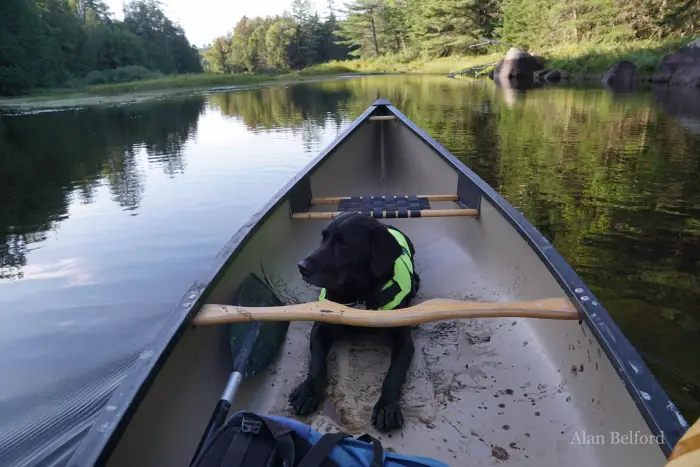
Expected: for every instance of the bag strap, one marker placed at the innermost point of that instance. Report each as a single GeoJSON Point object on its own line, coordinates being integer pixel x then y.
{"type": "Point", "coordinates": [283, 439]}
{"type": "Point", "coordinates": [238, 450]}
{"type": "Point", "coordinates": [322, 449]}
{"type": "Point", "coordinates": [252, 446]}
{"type": "Point", "coordinates": [377, 449]}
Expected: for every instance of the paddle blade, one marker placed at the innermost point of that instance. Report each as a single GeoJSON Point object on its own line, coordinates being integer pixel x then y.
{"type": "Point", "coordinates": [253, 355]}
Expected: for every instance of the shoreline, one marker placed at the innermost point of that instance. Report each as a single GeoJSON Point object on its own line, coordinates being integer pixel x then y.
{"type": "Point", "coordinates": [130, 93]}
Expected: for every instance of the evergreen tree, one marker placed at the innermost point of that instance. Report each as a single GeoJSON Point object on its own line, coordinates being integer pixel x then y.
{"type": "Point", "coordinates": [526, 23]}
{"type": "Point", "coordinates": [361, 29]}
{"type": "Point", "coordinates": [19, 46]}
{"type": "Point", "coordinates": [304, 52]}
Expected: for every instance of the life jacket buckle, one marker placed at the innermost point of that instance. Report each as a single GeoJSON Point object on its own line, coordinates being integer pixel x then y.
{"type": "Point", "coordinates": [250, 426]}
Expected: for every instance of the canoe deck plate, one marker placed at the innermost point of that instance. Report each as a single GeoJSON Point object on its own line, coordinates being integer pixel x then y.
{"type": "Point", "coordinates": [392, 206]}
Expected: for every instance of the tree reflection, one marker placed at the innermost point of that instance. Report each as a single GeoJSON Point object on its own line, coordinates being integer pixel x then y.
{"type": "Point", "coordinates": [48, 159]}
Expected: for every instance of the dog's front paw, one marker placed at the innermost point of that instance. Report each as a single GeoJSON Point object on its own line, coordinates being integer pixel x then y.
{"type": "Point", "coordinates": [387, 416]}
{"type": "Point", "coordinates": [306, 398]}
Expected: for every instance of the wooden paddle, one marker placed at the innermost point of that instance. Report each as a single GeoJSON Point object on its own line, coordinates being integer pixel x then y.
{"type": "Point", "coordinates": [431, 310]}
{"type": "Point", "coordinates": [686, 453]}
{"type": "Point", "coordinates": [252, 347]}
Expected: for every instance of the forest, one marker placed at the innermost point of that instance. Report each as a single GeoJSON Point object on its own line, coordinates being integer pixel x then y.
{"type": "Point", "coordinates": [74, 43]}
{"type": "Point", "coordinates": [406, 30]}
{"type": "Point", "coordinates": [48, 43]}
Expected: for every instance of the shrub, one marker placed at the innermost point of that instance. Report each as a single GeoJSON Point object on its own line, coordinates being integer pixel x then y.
{"type": "Point", "coordinates": [96, 77]}
{"type": "Point", "coordinates": [124, 74]}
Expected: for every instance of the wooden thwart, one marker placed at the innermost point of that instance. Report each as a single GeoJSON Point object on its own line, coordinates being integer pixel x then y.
{"type": "Point", "coordinates": [431, 310]}
{"type": "Point", "coordinates": [423, 213]}
{"type": "Point", "coordinates": [338, 199]}
{"type": "Point", "coordinates": [375, 118]}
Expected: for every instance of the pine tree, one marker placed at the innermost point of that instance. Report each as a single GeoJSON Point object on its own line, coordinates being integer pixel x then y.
{"type": "Point", "coordinates": [446, 26]}
{"type": "Point", "coordinates": [526, 23]}
{"type": "Point", "coordinates": [361, 29]}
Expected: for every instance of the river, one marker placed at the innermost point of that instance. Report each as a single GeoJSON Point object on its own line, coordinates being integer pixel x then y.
{"type": "Point", "coordinates": [109, 213]}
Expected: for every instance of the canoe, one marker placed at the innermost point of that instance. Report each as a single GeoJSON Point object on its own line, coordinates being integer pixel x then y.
{"type": "Point", "coordinates": [479, 391]}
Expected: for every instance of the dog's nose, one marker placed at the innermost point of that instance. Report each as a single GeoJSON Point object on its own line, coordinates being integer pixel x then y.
{"type": "Point", "coordinates": [304, 268]}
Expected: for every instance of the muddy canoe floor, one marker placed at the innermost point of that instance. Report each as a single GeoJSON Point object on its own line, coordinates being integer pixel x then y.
{"type": "Point", "coordinates": [479, 392]}
{"type": "Point", "coordinates": [462, 404]}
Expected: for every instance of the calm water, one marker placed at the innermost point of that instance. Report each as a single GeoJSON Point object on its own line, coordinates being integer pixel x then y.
{"type": "Point", "coordinates": [108, 214]}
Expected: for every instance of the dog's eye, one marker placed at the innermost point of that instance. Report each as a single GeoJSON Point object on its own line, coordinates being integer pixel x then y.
{"type": "Point", "coordinates": [324, 234]}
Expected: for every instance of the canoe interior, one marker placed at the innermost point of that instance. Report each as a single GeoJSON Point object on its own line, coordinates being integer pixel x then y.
{"type": "Point", "coordinates": [479, 392]}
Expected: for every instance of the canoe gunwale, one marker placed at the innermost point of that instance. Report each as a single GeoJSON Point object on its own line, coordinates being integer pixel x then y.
{"type": "Point", "coordinates": [658, 411]}
{"type": "Point", "coordinates": [104, 434]}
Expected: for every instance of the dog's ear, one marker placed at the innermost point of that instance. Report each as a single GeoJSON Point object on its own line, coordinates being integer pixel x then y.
{"type": "Point", "coordinates": [385, 250]}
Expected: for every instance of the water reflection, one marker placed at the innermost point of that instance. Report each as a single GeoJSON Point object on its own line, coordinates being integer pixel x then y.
{"type": "Point", "coordinates": [304, 108]}
{"type": "Point", "coordinates": [50, 157]}
{"type": "Point", "coordinates": [682, 103]}
{"type": "Point", "coordinates": [108, 213]}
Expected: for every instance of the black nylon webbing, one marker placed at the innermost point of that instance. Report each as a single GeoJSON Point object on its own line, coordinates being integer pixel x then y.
{"type": "Point", "coordinates": [320, 451]}
{"type": "Point", "coordinates": [385, 206]}
{"type": "Point", "coordinates": [283, 439]}
{"type": "Point", "coordinates": [237, 450]}
{"type": "Point", "coordinates": [377, 449]}
{"type": "Point", "coordinates": [214, 451]}
{"type": "Point", "coordinates": [389, 294]}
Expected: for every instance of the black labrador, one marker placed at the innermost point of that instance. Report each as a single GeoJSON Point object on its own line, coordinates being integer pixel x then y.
{"type": "Point", "coordinates": [354, 261]}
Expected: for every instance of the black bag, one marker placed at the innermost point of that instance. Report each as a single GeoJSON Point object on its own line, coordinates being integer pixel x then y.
{"type": "Point", "coordinates": [250, 440]}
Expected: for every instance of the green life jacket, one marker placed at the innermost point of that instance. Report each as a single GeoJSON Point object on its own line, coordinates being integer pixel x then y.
{"type": "Point", "coordinates": [402, 283]}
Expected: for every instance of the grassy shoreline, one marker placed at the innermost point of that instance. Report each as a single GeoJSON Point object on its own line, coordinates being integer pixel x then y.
{"type": "Point", "coordinates": [584, 61]}
{"type": "Point", "coordinates": [137, 91]}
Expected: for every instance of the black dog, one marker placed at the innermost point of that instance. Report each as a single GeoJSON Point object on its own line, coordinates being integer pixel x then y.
{"type": "Point", "coordinates": [354, 263]}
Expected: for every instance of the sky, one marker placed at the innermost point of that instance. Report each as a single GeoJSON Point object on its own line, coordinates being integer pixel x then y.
{"type": "Point", "coordinates": [203, 20]}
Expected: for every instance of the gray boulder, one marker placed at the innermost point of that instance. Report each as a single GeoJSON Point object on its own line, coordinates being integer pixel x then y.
{"type": "Point", "coordinates": [516, 64]}
{"type": "Point", "coordinates": [621, 75]}
{"type": "Point", "coordinates": [682, 67]}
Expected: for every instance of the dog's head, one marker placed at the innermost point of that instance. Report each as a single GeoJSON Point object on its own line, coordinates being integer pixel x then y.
{"type": "Point", "coordinates": [357, 253]}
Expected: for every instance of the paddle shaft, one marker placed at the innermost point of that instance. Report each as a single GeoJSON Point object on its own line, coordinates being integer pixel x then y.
{"type": "Point", "coordinates": [431, 310]}
{"type": "Point", "coordinates": [218, 416]}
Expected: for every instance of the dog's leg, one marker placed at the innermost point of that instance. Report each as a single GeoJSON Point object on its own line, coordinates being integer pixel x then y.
{"type": "Point", "coordinates": [387, 415]}
{"type": "Point", "coordinates": [307, 396]}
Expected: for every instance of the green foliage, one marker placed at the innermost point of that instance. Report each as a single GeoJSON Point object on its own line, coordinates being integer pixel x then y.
{"type": "Point", "coordinates": [543, 24]}
{"type": "Point", "coordinates": [596, 58]}
{"type": "Point", "coordinates": [279, 43]}
{"type": "Point", "coordinates": [47, 43]}
{"type": "Point", "coordinates": [446, 28]}
{"type": "Point", "coordinates": [125, 74]}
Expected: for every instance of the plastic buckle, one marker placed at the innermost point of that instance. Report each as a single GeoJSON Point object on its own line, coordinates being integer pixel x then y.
{"type": "Point", "coordinates": [250, 426]}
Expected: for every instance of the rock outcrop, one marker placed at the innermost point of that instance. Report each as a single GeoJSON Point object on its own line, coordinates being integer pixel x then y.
{"type": "Point", "coordinates": [516, 64]}
{"type": "Point", "coordinates": [682, 67]}
{"type": "Point", "coordinates": [621, 75]}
